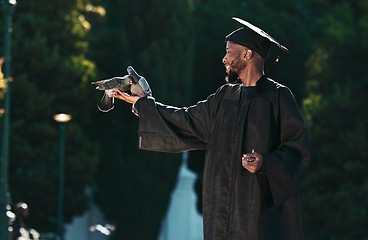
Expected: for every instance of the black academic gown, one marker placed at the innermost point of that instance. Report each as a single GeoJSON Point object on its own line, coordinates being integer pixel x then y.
{"type": "Point", "coordinates": [237, 204]}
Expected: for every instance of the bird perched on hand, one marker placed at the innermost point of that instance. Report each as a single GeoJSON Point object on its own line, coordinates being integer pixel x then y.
{"type": "Point", "coordinates": [132, 83]}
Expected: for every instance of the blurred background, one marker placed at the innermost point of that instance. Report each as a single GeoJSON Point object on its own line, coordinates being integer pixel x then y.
{"type": "Point", "coordinates": [89, 168]}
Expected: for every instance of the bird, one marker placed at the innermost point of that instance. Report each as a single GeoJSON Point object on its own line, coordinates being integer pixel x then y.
{"type": "Point", "coordinates": [110, 86]}
{"type": "Point", "coordinates": [132, 83]}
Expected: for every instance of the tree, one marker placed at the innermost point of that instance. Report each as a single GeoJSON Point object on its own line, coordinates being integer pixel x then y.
{"type": "Point", "coordinates": [336, 186]}
{"type": "Point", "coordinates": [134, 186]}
{"type": "Point", "coordinates": [50, 73]}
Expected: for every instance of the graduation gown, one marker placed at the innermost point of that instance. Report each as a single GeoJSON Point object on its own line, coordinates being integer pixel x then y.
{"type": "Point", "coordinates": [234, 120]}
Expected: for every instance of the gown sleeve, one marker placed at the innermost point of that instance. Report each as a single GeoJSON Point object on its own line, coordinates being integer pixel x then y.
{"type": "Point", "coordinates": [286, 166]}
{"type": "Point", "coordinates": [171, 129]}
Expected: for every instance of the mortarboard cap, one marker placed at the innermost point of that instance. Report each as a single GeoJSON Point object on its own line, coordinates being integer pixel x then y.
{"type": "Point", "coordinates": [253, 38]}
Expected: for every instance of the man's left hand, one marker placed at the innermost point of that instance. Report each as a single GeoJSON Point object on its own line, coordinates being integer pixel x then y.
{"type": "Point", "coordinates": [255, 164]}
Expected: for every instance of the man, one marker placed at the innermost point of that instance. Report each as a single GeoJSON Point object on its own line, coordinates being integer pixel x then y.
{"type": "Point", "coordinates": [255, 140]}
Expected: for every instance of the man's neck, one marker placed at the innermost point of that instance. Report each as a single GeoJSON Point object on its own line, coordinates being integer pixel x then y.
{"type": "Point", "coordinates": [250, 77]}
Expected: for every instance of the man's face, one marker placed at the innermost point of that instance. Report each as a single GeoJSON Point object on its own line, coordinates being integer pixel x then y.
{"type": "Point", "coordinates": [234, 61]}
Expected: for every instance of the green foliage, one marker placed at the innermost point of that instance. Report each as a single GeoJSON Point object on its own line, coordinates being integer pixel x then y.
{"type": "Point", "coordinates": [50, 72]}
{"type": "Point", "coordinates": [59, 47]}
{"type": "Point", "coordinates": [133, 186]}
{"type": "Point", "coordinates": [336, 186]}
{"type": "Point", "coordinates": [157, 43]}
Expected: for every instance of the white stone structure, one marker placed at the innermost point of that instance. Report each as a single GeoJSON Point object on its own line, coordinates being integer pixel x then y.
{"type": "Point", "coordinates": [183, 222]}
{"type": "Point", "coordinates": [89, 226]}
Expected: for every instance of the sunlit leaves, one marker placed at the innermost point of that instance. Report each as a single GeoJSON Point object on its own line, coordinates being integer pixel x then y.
{"type": "Point", "coordinates": [335, 111]}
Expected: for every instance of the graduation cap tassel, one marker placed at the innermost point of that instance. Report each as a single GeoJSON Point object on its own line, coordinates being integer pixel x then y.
{"type": "Point", "coordinates": [273, 67]}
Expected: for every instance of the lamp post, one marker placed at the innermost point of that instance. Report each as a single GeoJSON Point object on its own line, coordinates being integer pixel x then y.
{"type": "Point", "coordinates": [62, 119]}
{"type": "Point", "coordinates": [7, 7]}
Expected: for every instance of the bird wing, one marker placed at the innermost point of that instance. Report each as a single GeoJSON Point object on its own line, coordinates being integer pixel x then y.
{"type": "Point", "coordinates": [145, 86]}
{"type": "Point", "coordinates": [99, 82]}
{"type": "Point", "coordinates": [115, 82]}
{"type": "Point", "coordinates": [106, 104]}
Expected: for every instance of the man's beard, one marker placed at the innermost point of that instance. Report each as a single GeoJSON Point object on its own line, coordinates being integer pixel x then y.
{"type": "Point", "coordinates": [232, 78]}
{"type": "Point", "coordinates": [235, 66]}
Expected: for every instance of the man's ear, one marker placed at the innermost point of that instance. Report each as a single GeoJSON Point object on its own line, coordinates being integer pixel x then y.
{"type": "Point", "coordinates": [248, 54]}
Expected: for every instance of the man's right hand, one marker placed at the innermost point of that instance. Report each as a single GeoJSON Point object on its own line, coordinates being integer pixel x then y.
{"type": "Point", "coordinates": [125, 97]}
